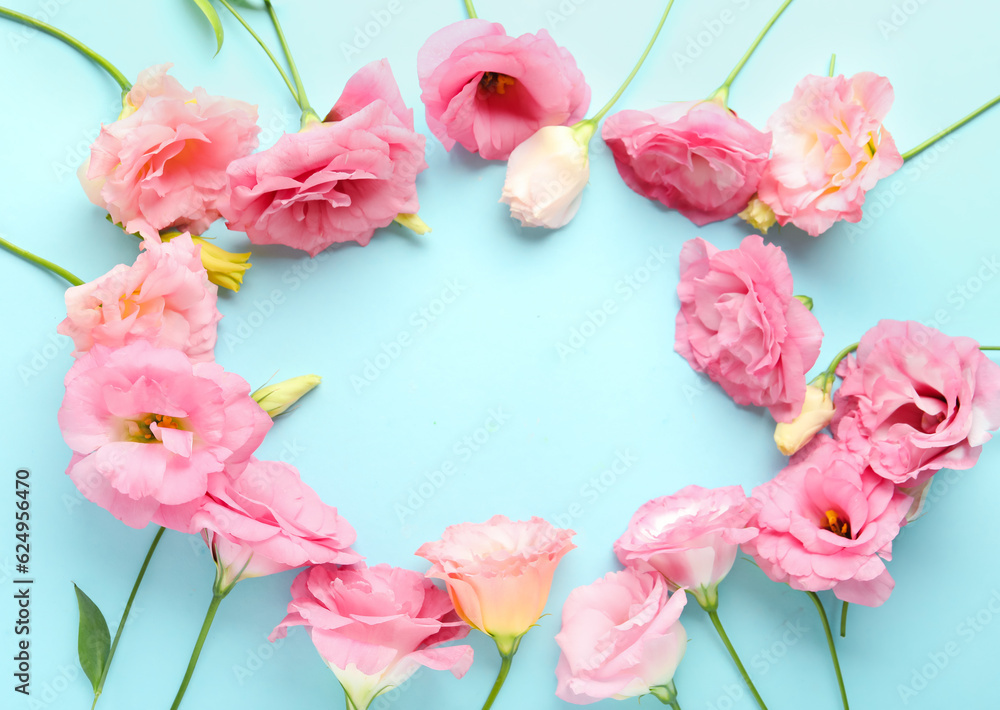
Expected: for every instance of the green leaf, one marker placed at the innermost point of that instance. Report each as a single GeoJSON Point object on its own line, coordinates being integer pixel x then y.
{"type": "Point", "coordinates": [206, 7]}
{"type": "Point", "coordinates": [94, 643]}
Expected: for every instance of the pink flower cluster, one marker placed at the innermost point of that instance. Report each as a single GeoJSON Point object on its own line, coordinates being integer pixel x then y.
{"type": "Point", "coordinates": [823, 150]}
{"type": "Point", "coordinates": [913, 401]}
{"type": "Point", "coordinates": [177, 159]}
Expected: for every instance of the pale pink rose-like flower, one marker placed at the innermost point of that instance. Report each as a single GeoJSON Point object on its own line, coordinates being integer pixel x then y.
{"type": "Point", "coordinates": [375, 626]}
{"type": "Point", "coordinates": [147, 428]}
{"type": "Point", "coordinates": [697, 157]}
{"type": "Point", "coordinates": [336, 181]}
{"type": "Point", "coordinates": [915, 400]}
{"type": "Point", "coordinates": [546, 175]}
{"type": "Point", "coordinates": [265, 520]}
{"type": "Point", "coordinates": [164, 298]}
{"type": "Point", "coordinates": [163, 163]}
{"type": "Point", "coordinates": [621, 637]}
{"type": "Point", "coordinates": [740, 323]}
{"type": "Point", "coordinates": [489, 92]}
{"type": "Point", "coordinates": [827, 521]}
{"type": "Point", "coordinates": [499, 572]}
{"type": "Point", "coordinates": [830, 148]}
{"type": "Point", "coordinates": [691, 538]}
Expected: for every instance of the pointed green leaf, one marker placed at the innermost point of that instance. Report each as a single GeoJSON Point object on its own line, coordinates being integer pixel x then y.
{"type": "Point", "coordinates": [94, 642]}
{"type": "Point", "coordinates": [206, 7]}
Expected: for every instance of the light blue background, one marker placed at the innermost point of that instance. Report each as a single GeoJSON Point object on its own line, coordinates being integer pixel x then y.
{"type": "Point", "coordinates": [930, 231]}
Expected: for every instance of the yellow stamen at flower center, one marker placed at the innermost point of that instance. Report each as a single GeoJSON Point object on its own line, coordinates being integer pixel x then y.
{"type": "Point", "coordinates": [836, 524]}
{"type": "Point", "coordinates": [140, 430]}
{"type": "Point", "coordinates": [870, 146]}
{"type": "Point", "coordinates": [126, 305]}
{"type": "Point", "coordinates": [495, 82]}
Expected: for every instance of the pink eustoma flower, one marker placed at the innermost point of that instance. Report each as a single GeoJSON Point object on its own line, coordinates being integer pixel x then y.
{"type": "Point", "coordinates": [147, 428]}
{"type": "Point", "coordinates": [336, 181]}
{"type": "Point", "coordinates": [375, 626]}
{"type": "Point", "coordinates": [827, 521]}
{"type": "Point", "coordinates": [499, 572]}
{"type": "Point", "coordinates": [489, 92]}
{"type": "Point", "coordinates": [163, 163]}
{"type": "Point", "coordinates": [164, 298]}
{"type": "Point", "coordinates": [265, 520]}
{"type": "Point", "coordinates": [830, 148]}
{"type": "Point", "coordinates": [690, 537]}
{"type": "Point", "coordinates": [740, 323]}
{"type": "Point", "coordinates": [621, 638]}
{"type": "Point", "coordinates": [696, 157]}
{"type": "Point", "coordinates": [915, 400]}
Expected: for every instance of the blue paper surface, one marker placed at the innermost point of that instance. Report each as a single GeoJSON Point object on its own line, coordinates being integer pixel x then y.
{"type": "Point", "coordinates": [483, 383]}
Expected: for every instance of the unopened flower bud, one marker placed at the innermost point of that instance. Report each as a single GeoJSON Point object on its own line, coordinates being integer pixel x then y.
{"type": "Point", "coordinates": [276, 399]}
{"type": "Point", "coordinates": [758, 215]}
{"type": "Point", "coordinates": [546, 175]}
{"type": "Point", "coordinates": [817, 412]}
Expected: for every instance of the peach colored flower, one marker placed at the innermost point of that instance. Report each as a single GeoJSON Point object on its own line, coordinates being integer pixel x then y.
{"type": "Point", "coordinates": [830, 148]}
{"type": "Point", "coordinates": [164, 298]}
{"type": "Point", "coordinates": [163, 163]}
{"type": "Point", "coordinates": [499, 572]}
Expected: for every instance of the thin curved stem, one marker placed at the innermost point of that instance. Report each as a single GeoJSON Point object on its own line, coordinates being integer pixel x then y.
{"type": "Point", "coordinates": [621, 90]}
{"type": "Point", "coordinates": [35, 259]}
{"type": "Point", "coordinates": [953, 127]}
{"type": "Point", "coordinates": [505, 661]}
{"type": "Point", "coordinates": [989, 347]}
{"type": "Point", "coordinates": [73, 42]}
{"type": "Point", "coordinates": [831, 371]}
{"type": "Point", "coordinates": [714, 616]}
{"type": "Point", "coordinates": [267, 50]}
{"type": "Point", "coordinates": [217, 598]}
{"type": "Point", "coordinates": [843, 620]}
{"type": "Point", "coordinates": [469, 8]}
{"type": "Point", "coordinates": [300, 91]}
{"type": "Point", "coordinates": [128, 608]}
{"type": "Point", "coordinates": [833, 64]}
{"type": "Point", "coordinates": [833, 648]}
{"type": "Point", "coordinates": [723, 91]}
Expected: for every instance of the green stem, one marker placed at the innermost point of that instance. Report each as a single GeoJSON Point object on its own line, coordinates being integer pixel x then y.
{"type": "Point", "coordinates": [723, 91]}
{"type": "Point", "coordinates": [217, 597]}
{"type": "Point", "coordinates": [72, 42]}
{"type": "Point", "coordinates": [989, 347]}
{"type": "Point", "coordinates": [28, 256]}
{"type": "Point", "coordinates": [833, 64]}
{"type": "Point", "coordinates": [300, 91]}
{"type": "Point", "coordinates": [267, 50]}
{"type": "Point", "coordinates": [128, 608]}
{"type": "Point", "coordinates": [843, 620]}
{"type": "Point", "coordinates": [714, 616]}
{"type": "Point", "coordinates": [831, 371]}
{"type": "Point", "coordinates": [470, 9]}
{"type": "Point", "coordinates": [621, 90]}
{"type": "Point", "coordinates": [953, 127]}
{"type": "Point", "coordinates": [833, 648]}
{"type": "Point", "coordinates": [505, 660]}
